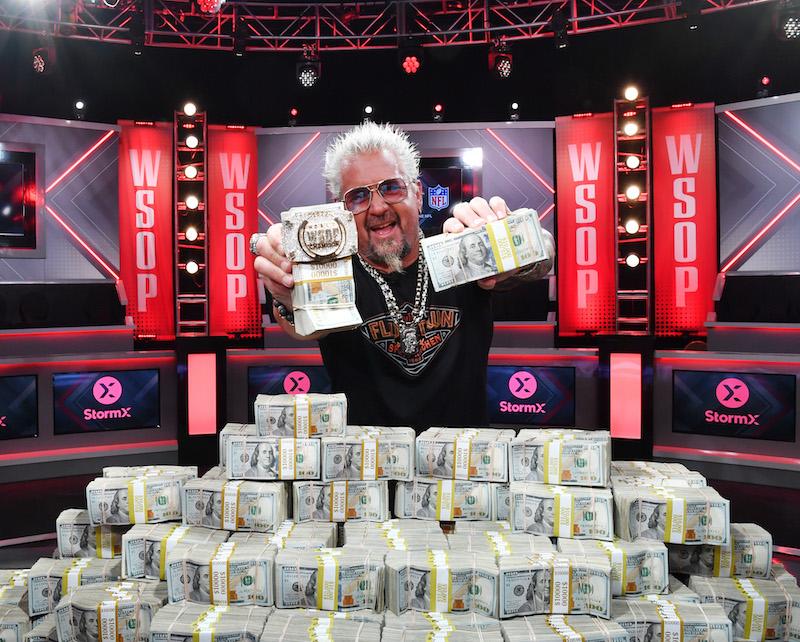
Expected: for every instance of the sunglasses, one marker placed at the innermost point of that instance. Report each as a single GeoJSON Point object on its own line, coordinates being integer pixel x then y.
{"type": "Point", "coordinates": [358, 199]}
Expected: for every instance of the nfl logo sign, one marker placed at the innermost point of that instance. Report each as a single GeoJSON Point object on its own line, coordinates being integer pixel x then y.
{"type": "Point", "coordinates": [438, 197]}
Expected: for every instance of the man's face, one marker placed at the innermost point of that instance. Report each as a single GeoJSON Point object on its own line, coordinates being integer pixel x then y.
{"type": "Point", "coordinates": [384, 230]}
{"type": "Point", "coordinates": [547, 511]}
{"type": "Point", "coordinates": [473, 249]}
{"type": "Point", "coordinates": [265, 458]}
{"type": "Point", "coordinates": [90, 622]}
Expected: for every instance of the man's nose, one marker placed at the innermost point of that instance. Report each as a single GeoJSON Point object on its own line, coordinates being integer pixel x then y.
{"type": "Point", "coordinates": [377, 205]}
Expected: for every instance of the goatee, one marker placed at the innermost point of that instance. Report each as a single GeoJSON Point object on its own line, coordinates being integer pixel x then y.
{"type": "Point", "coordinates": [389, 255]}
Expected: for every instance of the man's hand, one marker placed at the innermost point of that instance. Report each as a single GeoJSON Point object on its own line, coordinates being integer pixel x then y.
{"type": "Point", "coordinates": [273, 267]}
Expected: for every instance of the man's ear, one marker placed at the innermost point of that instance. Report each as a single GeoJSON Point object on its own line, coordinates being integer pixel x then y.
{"type": "Point", "coordinates": [419, 195]}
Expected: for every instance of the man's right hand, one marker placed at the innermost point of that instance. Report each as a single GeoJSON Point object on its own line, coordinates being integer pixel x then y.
{"type": "Point", "coordinates": [273, 267]}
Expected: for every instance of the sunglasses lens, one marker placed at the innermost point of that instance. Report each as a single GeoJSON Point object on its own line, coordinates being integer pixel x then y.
{"type": "Point", "coordinates": [393, 190]}
{"type": "Point", "coordinates": [357, 199]}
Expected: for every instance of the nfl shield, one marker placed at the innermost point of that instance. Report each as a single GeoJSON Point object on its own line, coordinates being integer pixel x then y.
{"type": "Point", "coordinates": [438, 197]}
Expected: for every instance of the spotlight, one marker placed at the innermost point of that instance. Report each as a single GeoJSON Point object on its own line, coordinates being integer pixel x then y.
{"type": "Point", "coordinates": [788, 20]}
{"type": "Point", "coordinates": [763, 89]}
{"type": "Point", "coordinates": [631, 226]}
{"type": "Point", "coordinates": [631, 93]}
{"type": "Point", "coordinates": [410, 55]}
{"type": "Point", "coordinates": [293, 113]}
{"type": "Point", "coordinates": [190, 109]}
{"type": "Point", "coordinates": [368, 110]}
{"type": "Point", "coordinates": [192, 141]}
{"type": "Point", "coordinates": [692, 10]}
{"type": "Point", "coordinates": [190, 172]}
{"type": "Point", "coordinates": [514, 112]}
{"type": "Point", "coordinates": [192, 267]}
{"type": "Point", "coordinates": [309, 69]}
{"type": "Point", "coordinates": [632, 193]}
{"type": "Point", "coordinates": [501, 62]}
{"type": "Point", "coordinates": [630, 128]}
{"type": "Point", "coordinates": [79, 109]}
{"type": "Point", "coordinates": [632, 162]}
{"type": "Point", "coordinates": [632, 261]}
{"type": "Point", "coordinates": [191, 234]}
{"type": "Point", "coordinates": [472, 157]}
{"type": "Point", "coordinates": [43, 60]}
{"type": "Point", "coordinates": [79, 104]}
{"type": "Point", "coordinates": [559, 25]}
{"type": "Point", "coordinates": [192, 202]}
{"type": "Point", "coordinates": [438, 113]}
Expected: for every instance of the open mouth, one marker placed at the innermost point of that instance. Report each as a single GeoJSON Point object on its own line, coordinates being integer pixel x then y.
{"type": "Point", "coordinates": [382, 230]}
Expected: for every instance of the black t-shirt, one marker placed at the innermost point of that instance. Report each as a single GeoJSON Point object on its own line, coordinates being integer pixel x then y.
{"type": "Point", "coordinates": [443, 384]}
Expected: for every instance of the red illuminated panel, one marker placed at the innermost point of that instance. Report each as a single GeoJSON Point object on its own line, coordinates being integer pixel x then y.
{"type": "Point", "coordinates": [626, 396]}
{"type": "Point", "coordinates": [725, 454]}
{"type": "Point", "coordinates": [129, 361]}
{"type": "Point", "coordinates": [202, 397]}
{"type": "Point", "coordinates": [104, 449]}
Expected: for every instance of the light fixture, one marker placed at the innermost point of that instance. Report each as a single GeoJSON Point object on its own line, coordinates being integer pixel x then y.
{"type": "Point", "coordinates": [79, 109]}
{"type": "Point", "coordinates": [631, 226]}
{"type": "Point", "coordinates": [632, 161]}
{"type": "Point", "coordinates": [42, 60]}
{"type": "Point", "coordinates": [438, 113]}
{"type": "Point", "coordinates": [513, 114]}
{"type": "Point", "coordinates": [136, 27]}
{"type": "Point", "coordinates": [192, 202]}
{"type": "Point", "coordinates": [692, 9]}
{"type": "Point", "coordinates": [630, 128]}
{"type": "Point", "coordinates": [192, 141]}
{"type": "Point", "coordinates": [190, 172]}
{"type": "Point", "coordinates": [368, 110]}
{"type": "Point", "coordinates": [240, 37]}
{"type": "Point", "coordinates": [472, 157]}
{"type": "Point", "coordinates": [191, 233]}
{"type": "Point", "coordinates": [559, 25]}
{"type": "Point", "coordinates": [633, 192]}
{"type": "Point", "coordinates": [631, 93]}
{"type": "Point", "coordinates": [309, 69]}
{"type": "Point", "coordinates": [501, 62]}
{"type": "Point", "coordinates": [410, 54]}
{"type": "Point", "coordinates": [632, 260]}
{"type": "Point", "coordinates": [190, 109]}
{"type": "Point", "coordinates": [192, 267]}
{"type": "Point", "coordinates": [79, 104]}
{"type": "Point", "coordinates": [788, 20]}
{"type": "Point", "coordinates": [293, 114]}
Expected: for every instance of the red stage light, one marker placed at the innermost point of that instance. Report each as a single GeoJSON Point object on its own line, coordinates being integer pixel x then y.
{"type": "Point", "coordinates": [293, 112]}
{"type": "Point", "coordinates": [438, 108]}
{"type": "Point", "coordinates": [411, 64]}
{"type": "Point", "coordinates": [765, 80]}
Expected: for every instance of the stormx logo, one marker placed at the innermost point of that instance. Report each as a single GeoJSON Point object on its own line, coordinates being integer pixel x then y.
{"type": "Point", "coordinates": [107, 390]}
{"type": "Point", "coordinates": [732, 393]}
{"type": "Point", "coordinates": [522, 385]}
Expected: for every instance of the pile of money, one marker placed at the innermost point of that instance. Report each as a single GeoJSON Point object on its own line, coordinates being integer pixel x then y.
{"type": "Point", "coordinates": [324, 297]}
{"type": "Point", "coordinates": [677, 515]}
{"type": "Point", "coordinates": [134, 500]}
{"type": "Point", "coordinates": [655, 473]}
{"type": "Point", "coordinates": [334, 579]}
{"type": "Point", "coordinates": [562, 511]}
{"type": "Point", "coordinates": [268, 458]}
{"type": "Point", "coordinates": [234, 505]}
{"type": "Point", "coordinates": [14, 624]}
{"type": "Point", "coordinates": [235, 430]}
{"type": "Point", "coordinates": [561, 628]}
{"type": "Point", "coordinates": [14, 576]}
{"type": "Point", "coordinates": [292, 535]}
{"type": "Point", "coordinates": [779, 573]}
{"type": "Point", "coordinates": [757, 609]}
{"type": "Point", "coordinates": [636, 567]}
{"type": "Point", "coordinates": [186, 621]}
{"type": "Point", "coordinates": [749, 554]}
{"type": "Point", "coordinates": [49, 579]}
{"type": "Point", "coordinates": [676, 592]}
{"type": "Point", "coordinates": [14, 596]}
{"type": "Point", "coordinates": [301, 416]}
{"type": "Point", "coordinates": [44, 630]}
{"type": "Point", "coordinates": [468, 528]}
{"type": "Point", "coordinates": [341, 501]}
{"type": "Point", "coordinates": [441, 580]}
{"type": "Point", "coordinates": [501, 502]}
{"type": "Point", "coordinates": [78, 538]}
{"type": "Point", "coordinates": [215, 472]}
{"type": "Point", "coordinates": [443, 500]}
{"type": "Point", "coordinates": [451, 635]}
{"type": "Point", "coordinates": [302, 616]}
{"type": "Point", "coordinates": [479, 454]}
{"type": "Point", "coordinates": [554, 583]}
{"type": "Point", "coordinates": [318, 233]}
{"type": "Point", "coordinates": [227, 573]}
{"type": "Point", "coordinates": [184, 472]}
{"type": "Point", "coordinates": [477, 253]}
{"type": "Point", "coordinates": [436, 622]}
{"type": "Point", "coordinates": [500, 543]}
{"type": "Point", "coordinates": [299, 627]}
{"type": "Point", "coordinates": [662, 621]}
{"type": "Point", "coordinates": [146, 546]}
{"type": "Point", "coordinates": [398, 534]}
{"type": "Point", "coordinates": [574, 458]}
{"type": "Point", "coordinates": [369, 453]}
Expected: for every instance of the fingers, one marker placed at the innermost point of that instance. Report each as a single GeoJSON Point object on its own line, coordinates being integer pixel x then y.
{"type": "Point", "coordinates": [499, 207]}
{"type": "Point", "coordinates": [479, 211]}
{"type": "Point", "coordinates": [272, 266]}
{"type": "Point", "coordinates": [453, 226]}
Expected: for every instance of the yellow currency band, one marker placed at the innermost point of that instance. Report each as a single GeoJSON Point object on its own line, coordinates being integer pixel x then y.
{"type": "Point", "coordinates": [98, 542]}
{"type": "Point", "coordinates": [308, 402]}
{"type": "Point", "coordinates": [669, 525]}
{"type": "Point", "coordinates": [100, 636]}
{"type": "Point", "coordinates": [434, 579]}
{"type": "Point", "coordinates": [748, 622]}
{"type": "Point", "coordinates": [329, 589]}
{"type": "Point", "coordinates": [496, 249]}
{"type": "Point", "coordinates": [131, 504]}
{"type": "Point", "coordinates": [162, 553]}
{"type": "Point", "coordinates": [197, 632]}
{"type": "Point", "coordinates": [548, 444]}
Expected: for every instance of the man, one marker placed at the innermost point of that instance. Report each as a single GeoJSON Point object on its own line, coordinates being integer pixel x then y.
{"type": "Point", "coordinates": [419, 357]}
{"type": "Point", "coordinates": [476, 259]}
{"type": "Point", "coordinates": [543, 518]}
{"type": "Point", "coordinates": [538, 587]}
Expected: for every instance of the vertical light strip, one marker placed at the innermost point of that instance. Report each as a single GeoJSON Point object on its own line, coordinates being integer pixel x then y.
{"type": "Point", "coordinates": [202, 397]}
{"type": "Point", "coordinates": [626, 395]}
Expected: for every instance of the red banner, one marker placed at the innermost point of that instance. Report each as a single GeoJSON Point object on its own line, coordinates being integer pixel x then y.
{"type": "Point", "coordinates": [684, 217]}
{"type": "Point", "coordinates": [145, 227]}
{"type": "Point", "coordinates": [232, 212]}
{"type": "Point", "coordinates": [586, 224]}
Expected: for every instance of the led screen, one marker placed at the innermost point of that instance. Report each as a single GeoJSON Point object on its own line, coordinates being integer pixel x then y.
{"type": "Point", "coordinates": [279, 380]}
{"type": "Point", "coordinates": [531, 396]}
{"type": "Point", "coordinates": [19, 409]}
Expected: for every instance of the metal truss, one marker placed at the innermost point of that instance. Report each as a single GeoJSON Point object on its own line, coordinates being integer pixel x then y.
{"type": "Point", "coordinates": [334, 26]}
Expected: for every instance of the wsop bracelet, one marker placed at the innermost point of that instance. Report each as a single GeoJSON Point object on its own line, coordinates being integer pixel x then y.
{"type": "Point", "coordinates": [283, 311]}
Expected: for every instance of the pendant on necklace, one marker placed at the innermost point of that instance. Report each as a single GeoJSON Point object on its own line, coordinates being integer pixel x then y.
{"type": "Point", "coordinates": [408, 339]}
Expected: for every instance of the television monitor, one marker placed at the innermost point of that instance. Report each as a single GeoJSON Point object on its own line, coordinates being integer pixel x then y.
{"type": "Point", "coordinates": [734, 404]}
{"type": "Point", "coordinates": [19, 407]}
{"type": "Point", "coordinates": [279, 380]}
{"type": "Point", "coordinates": [534, 396]}
{"type": "Point", "coordinates": [446, 180]}
{"type": "Point", "coordinates": [106, 401]}
{"type": "Point", "coordinates": [18, 191]}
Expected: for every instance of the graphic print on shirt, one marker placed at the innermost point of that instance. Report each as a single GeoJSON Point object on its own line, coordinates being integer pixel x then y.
{"type": "Point", "coordinates": [434, 331]}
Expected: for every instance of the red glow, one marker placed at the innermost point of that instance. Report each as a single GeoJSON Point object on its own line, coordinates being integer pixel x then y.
{"type": "Point", "coordinates": [126, 363]}
{"type": "Point", "coordinates": [761, 139]}
{"type": "Point", "coordinates": [629, 113]}
{"type": "Point", "coordinates": [724, 363]}
{"type": "Point", "coordinates": [291, 161]}
{"type": "Point", "coordinates": [293, 112]}
{"type": "Point", "coordinates": [78, 450]}
{"type": "Point", "coordinates": [585, 114]}
{"type": "Point", "coordinates": [82, 243]}
{"type": "Point", "coordinates": [757, 458]}
{"type": "Point", "coordinates": [524, 327]}
{"type": "Point", "coordinates": [85, 155]}
{"type": "Point", "coordinates": [680, 105]}
{"type": "Point", "coordinates": [303, 359]}
{"type": "Point", "coordinates": [265, 217]}
{"type": "Point", "coordinates": [438, 108]}
{"type": "Point", "coordinates": [751, 327]}
{"type": "Point", "coordinates": [411, 64]}
{"type": "Point", "coordinates": [626, 396]}
{"type": "Point", "coordinates": [521, 161]}
{"type": "Point", "coordinates": [549, 209]}
{"type": "Point", "coordinates": [241, 127]}
{"type": "Point", "coordinates": [144, 123]}
{"type": "Point", "coordinates": [765, 80]}
{"type": "Point", "coordinates": [499, 358]}
{"type": "Point", "coordinates": [202, 394]}
{"type": "Point", "coordinates": [41, 334]}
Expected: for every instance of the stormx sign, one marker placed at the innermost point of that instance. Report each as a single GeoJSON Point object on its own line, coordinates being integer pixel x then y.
{"type": "Point", "coordinates": [532, 396]}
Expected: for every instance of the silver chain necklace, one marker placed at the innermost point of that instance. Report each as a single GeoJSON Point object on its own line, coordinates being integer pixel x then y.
{"type": "Point", "coordinates": [408, 332]}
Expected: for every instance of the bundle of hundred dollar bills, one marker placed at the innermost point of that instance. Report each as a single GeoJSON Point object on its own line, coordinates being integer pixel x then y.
{"type": "Point", "coordinates": [676, 592]}
{"type": "Point", "coordinates": [318, 233]}
{"type": "Point", "coordinates": [340, 501]}
{"type": "Point", "coordinates": [234, 505]}
{"type": "Point", "coordinates": [655, 473]}
{"type": "Point", "coordinates": [441, 580]}
{"type": "Point", "coordinates": [749, 554]}
{"type": "Point", "coordinates": [184, 472]}
{"type": "Point", "coordinates": [296, 626]}
{"type": "Point", "coordinates": [44, 630]}
{"type": "Point", "coordinates": [562, 511]}
{"type": "Point", "coordinates": [49, 579]}
{"type": "Point", "coordinates": [186, 621]}
{"type": "Point", "coordinates": [662, 621]}
{"type": "Point", "coordinates": [134, 500]}
{"type": "Point", "coordinates": [569, 457]}
{"type": "Point", "coordinates": [677, 515]}
{"type": "Point", "coordinates": [292, 535]}
{"type": "Point", "coordinates": [14, 623]}
{"type": "Point", "coordinates": [479, 454]}
{"type": "Point", "coordinates": [448, 634]}
{"type": "Point", "coordinates": [14, 596]}
{"type": "Point", "coordinates": [145, 546]}
{"type": "Point", "coordinates": [442, 499]}
{"type": "Point", "coordinates": [507, 244]}
{"type": "Point", "coordinates": [77, 537]}
{"type": "Point", "coordinates": [437, 622]}
{"type": "Point", "coordinates": [470, 528]}
{"type": "Point", "coordinates": [369, 453]}
{"type": "Point", "coordinates": [229, 430]}
{"type": "Point", "coordinates": [500, 543]}
{"type": "Point", "coordinates": [14, 576]}
{"type": "Point", "coordinates": [779, 573]}
{"type": "Point", "coordinates": [304, 616]}
{"type": "Point", "coordinates": [398, 534]}
{"type": "Point", "coordinates": [563, 628]}
{"type": "Point", "coordinates": [303, 416]}
{"type": "Point", "coordinates": [269, 458]}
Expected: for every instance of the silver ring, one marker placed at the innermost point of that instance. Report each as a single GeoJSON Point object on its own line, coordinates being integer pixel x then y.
{"type": "Point", "coordinates": [254, 242]}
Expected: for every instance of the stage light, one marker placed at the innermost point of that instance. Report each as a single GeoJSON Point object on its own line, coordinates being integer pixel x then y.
{"type": "Point", "coordinates": [411, 64]}
{"type": "Point", "coordinates": [692, 10]}
{"type": "Point", "coordinates": [79, 104]}
{"type": "Point", "coordinates": [42, 60]}
{"type": "Point", "coordinates": [410, 56]}
{"type": "Point", "coordinates": [191, 234]}
{"type": "Point", "coordinates": [192, 202]}
{"type": "Point", "coordinates": [559, 25]}
{"type": "Point", "coordinates": [763, 88]}
{"type": "Point", "coordinates": [192, 267]}
{"type": "Point", "coordinates": [438, 113]}
{"type": "Point", "coordinates": [192, 141]}
{"type": "Point", "coordinates": [631, 93]}
{"type": "Point", "coordinates": [6, 211]}
{"type": "Point", "coordinates": [368, 110]}
{"type": "Point", "coordinates": [631, 226]}
{"type": "Point", "coordinates": [309, 69]}
{"type": "Point", "coordinates": [472, 157]}
{"type": "Point", "coordinates": [293, 113]}
{"type": "Point", "coordinates": [514, 112]}
{"type": "Point", "coordinates": [79, 109]}
{"type": "Point", "coordinates": [632, 260]}
{"type": "Point", "coordinates": [789, 21]}
{"type": "Point", "coordinates": [501, 62]}
{"type": "Point", "coordinates": [190, 172]}
{"type": "Point", "coordinates": [632, 193]}
{"type": "Point", "coordinates": [630, 128]}
{"type": "Point", "coordinates": [190, 109]}
{"type": "Point", "coordinates": [136, 27]}
{"type": "Point", "coordinates": [633, 162]}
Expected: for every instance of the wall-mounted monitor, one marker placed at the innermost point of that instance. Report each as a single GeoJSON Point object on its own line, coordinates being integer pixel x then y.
{"type": "Point", "coordinates": [19, 407]}
{"type": "Point", "coordinates": [534, 396]}
{"type": "Point", "coordinates": [282, 379]}
{"type": "Point", "coordinates": [21, 200]}
{"type": "Point", "coordinates": [446, 180]}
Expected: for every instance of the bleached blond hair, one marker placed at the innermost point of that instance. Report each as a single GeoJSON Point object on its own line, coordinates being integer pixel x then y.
{"type": "Point", "coordinates": [367, 138]}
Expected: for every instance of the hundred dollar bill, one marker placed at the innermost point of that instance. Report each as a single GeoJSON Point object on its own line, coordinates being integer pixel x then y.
{"type": "Point", "coordinates": [440, 622]}
{"type": "Point", "coordinates": [676, 592]}
{"type": "Point", "coordinates": [636, 567]}
{"type": "Point", "coordinates": [442, 581]}
{"type": "Point", "coordinates": [336, 579]}
{"type": "Point", "coordinates": [397, 534]}
{"type": "Point", "coordinates": [500, 544]}
{"type": "Point", "coordinates": [368, 453]}
{"type": "Point", "coordinates": [324, 297]}
{"type": "Point", "coordinates": [238, 430]}
{"type": "Point", "coordinates": [14, 576]}
{"type": "Point", "coordinates": [77, 537]}
{"type": "Point", "coordinates": [49, 579]}
{"type": "Point", "coordinates": [290, 534]}
{"type": "Point", "coordinates": [185, 622]}
{"type": "Point", "coordinates": [655, 473]}
{"type": "Point", "coordinates": [471, 528]}
{"type": "Point", "coordinates": [184, 472]}
{"type": "Point", "coordinates": [442, 499]}
{"type": "Point", "coordinates": [779, 573]}
{"type": "Point", "coordinates": [318, 233]}
{"type": "Point", "coordinates": [463, 453]}
{"type": "Point", "coordinates": [134, 500]}
{"type": "Point", "coordinates": [43, 630]}
{"type": "Point", "coordinates": [510, 243]}
{"type": "Point", "coordinates": [298, 627]}
{"type": "Point", "coordinates": [562, 511]}
{"type": "Point", "coordinates": [563, 628]}
{"type": "Point", "coordinates": [341, 501]}
{"type": "Point", "coordinates": [268, 458]}
{"type": "Point", "coordinates": [14, 596]}
{"type": "Point", "coordinates": [304, 615]}
{"type": "Point", "coordinates": [672, 515]}
{"type": "Point", "coordinates": [576, 458]}
{"type": "Point", "coordinates": [749, 554]}
{"type": "Point", "coordinates": [303, 416]}
{"type": "Point", "coordinates": [501, 502]}
{"type": "Point", "coordinates": [235, 505]}
{"type": "Point", "coordinates": [663, 621]}
{"type": "Point", "coordinates": [448, 633]}
{"type": "Point", "coordinates": [14, 624]}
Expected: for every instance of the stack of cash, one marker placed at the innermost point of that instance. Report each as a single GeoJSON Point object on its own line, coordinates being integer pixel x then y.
{"type": "Point", "coordinates": [676, 592]}
{"type": "Point", "coordinates": [674, 515]}
{"type": "Point", "coordinates": [477, 253]}
{"type": "Point", "coordinates": [270, 458]}
{"type": "Point", "coordinates": [757, 609]}
{"type": "Point", "coordinates": [441, 580]}
{"type": "Point", "coordinates": [562, 511]}
{"type": "Point", "coordinates": [227, 573]}
{"type": "Point", "coordinates": [501, 502]}
{"type": "Point", "coordinates": [575, 458]}
{"type": "Point", "coordinates": [296, 627]}
{"type": "Point", "coordinates": [187, 621]}
{"type": "Point", "coordinates": [398, 534]}
{"type": "Point", "coordinates": [185, 472]}
{"type": "Point", "coordinates": [292, 535]}
{"type": "Point", "coordinates": [655, 473]}
{"type": "Point", "coordinates": [436, 622]}
{"type": "Point", "coordinates": [134, 500]}
{"type": "Point", "coordinates": [468, 528]}
{"type": "Point", "coordinates": [443, 500]}
{"type": "Point", "coordinates": [779, 573]}
{"type": "Point", "coordinates": [119, 612]}
{"type": "Point", "coordinates": [334, 579]}
{"type": "Point", "coordinates": [49, 579]}
{"type": "Point", "coordinates": [369, 453]}
{"type": "Point", "coordinates": [232, 430]}
{"type": "Point", "coordinates": [554, 583]}
{"type": "Point", "coordinates": [215, 472]}
{"type": "Point", "coordinates": [14, 576]}
{"type": "Point", "coordinates": [662, 621]}
{"type": "Point", "coordinates": [146, 546]}
{"type": "Point", "coordinates": [14, 624]}
{"type": "Point", "coordinates": [636, 567]}
{"type": "Point", "coordinates": [749, 554]}
{"type": "Point", "coordinates": [303, 616]}
{"type": "Point", "coordinates": [341, 501]}
{"type": "Point", "coordinates": [560, 628]}
{"type": "Point", "coordinates": [78, 538]}
{"type": "Point", "coordinates": [14, 596]}
{"type": "Point", "coordinates": [234, 505]}
{"type": "Point", "coordinates": [451, 635]}
{"type": "Point", "coordinates": [479, 454]}
{"type": "Point", "coordinates": [44, 630]}
{"type": "Point", "coordinates": [500, 543]}
{"type": "Point", "coordinates": [301, 416]}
